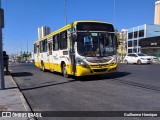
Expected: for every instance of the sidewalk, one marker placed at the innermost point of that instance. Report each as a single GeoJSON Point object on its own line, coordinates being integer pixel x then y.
{"type": "Point", "coordinates": [11, 99]}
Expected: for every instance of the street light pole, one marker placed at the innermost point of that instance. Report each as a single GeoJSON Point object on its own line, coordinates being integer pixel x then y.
{"type": "Point", "coordinates": [114, 7]}
{"type": "Point", "coordinates": [1, 49]}
{"type": "Point", "coordinates": [65, 14]}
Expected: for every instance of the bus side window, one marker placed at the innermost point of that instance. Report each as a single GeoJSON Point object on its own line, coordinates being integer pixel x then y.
{"type": "Point", "coordinates": [44, 42]}
{"type": "Point", "coordinates": [63, 40]}
{"type": "Point", "coordinates": [50, 48]}
{"type": "Point", "coordinates": [38, 49]}
{"type": "Point", "coordinates": [41, 47]}
{"type": "Point", "coordinates": [55, 42]}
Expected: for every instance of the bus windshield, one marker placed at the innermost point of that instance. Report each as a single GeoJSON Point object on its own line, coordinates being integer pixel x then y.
{"type": "Point", "coordinates": [92, 44]}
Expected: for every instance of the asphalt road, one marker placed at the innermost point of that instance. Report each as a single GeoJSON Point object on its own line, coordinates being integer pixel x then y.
{"type": "Point", "coordinates": [132, 88]}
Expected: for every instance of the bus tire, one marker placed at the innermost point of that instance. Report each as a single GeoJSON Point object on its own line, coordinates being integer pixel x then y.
{"type": "Point", "coordinates": [64, 70]}
{"type": "Point", "coordinates": [43, 68]}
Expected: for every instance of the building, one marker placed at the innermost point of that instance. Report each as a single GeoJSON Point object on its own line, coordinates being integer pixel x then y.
{"type": "Point", "coordinates": [144, 38]}
{"type": "Point", "coordinates": [43, 31]}
{"type": "Point", "coordinates": [157, 13]}
{"type": "Point", "coordinates": [150, 46]}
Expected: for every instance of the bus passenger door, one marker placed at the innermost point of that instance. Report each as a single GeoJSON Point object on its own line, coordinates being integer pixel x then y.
{"type": "Point", "coordinates": [49, 52]}
{"type": "Point", "coordinates": [72, 53]}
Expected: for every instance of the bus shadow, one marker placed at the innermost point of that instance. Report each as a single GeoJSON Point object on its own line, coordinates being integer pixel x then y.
{"type": "Point", "coordinates": [96, 77]}
{"type": "Point", "coordinates": [75, 79]}
{"type": "Point", "coordinates": [118, 74]}
{"type": "Point", "coordinates": [103, 77]}
{"type": "Point", "coordinates": [21, 74]}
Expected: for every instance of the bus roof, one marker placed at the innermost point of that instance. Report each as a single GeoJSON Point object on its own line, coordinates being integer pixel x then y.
{"type": "Point", "coordinates": [75, 22]}
{"type": "Point", "coordinates": [67, 27]}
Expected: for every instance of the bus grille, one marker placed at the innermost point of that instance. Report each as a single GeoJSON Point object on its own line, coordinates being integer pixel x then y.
{"type": "Point", "coordinates": [99, 70]}
{"type": "Point", "coordinates": [100, 65]}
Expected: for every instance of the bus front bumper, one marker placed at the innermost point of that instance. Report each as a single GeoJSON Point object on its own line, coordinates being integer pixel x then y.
{"type": "Point", "coordinates": [83, 71]}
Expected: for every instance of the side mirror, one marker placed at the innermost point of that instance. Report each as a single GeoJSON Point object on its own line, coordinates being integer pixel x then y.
{"type": "Point", "coordinates": [116, 41]}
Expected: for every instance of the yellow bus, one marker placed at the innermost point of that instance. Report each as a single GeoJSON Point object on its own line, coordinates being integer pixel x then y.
{"type": "Point", "coordinates": [81, 48]}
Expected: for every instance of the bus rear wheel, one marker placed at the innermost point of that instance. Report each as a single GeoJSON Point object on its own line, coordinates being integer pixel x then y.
{"type": "Point", "coordinates": [43, 68]}
{"type": "Point", "coordinates": [64, 71]}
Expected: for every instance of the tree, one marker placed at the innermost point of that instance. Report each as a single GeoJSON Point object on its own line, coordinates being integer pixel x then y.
{"type": "Point", "coordinates": [118, 36]}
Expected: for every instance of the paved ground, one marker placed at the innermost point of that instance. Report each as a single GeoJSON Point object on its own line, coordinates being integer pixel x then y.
{"type": "Point", "coordinates": [132, 88]}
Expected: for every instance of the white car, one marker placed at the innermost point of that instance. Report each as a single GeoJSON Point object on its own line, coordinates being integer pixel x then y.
{"type": "Point", "coordinates": [138, 58]}
{"type": "Point", "coordinates": [154, 59]}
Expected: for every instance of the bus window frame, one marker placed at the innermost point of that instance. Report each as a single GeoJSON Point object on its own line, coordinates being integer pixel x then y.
{"type": "Point", "coordinates": [57, 42]}
{"type": "Point", "coordinates": [63, 40]}
{"type": "Point", "coordinates": [50, 47]}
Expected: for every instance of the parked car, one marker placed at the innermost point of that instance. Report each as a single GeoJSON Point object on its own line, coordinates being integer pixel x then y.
{"type": "Point", "coordinates": [138, 58]}
{"type": "Point", "coordinates": [154, 59]}
{"type": "Point", "coordinates": [27, 61]}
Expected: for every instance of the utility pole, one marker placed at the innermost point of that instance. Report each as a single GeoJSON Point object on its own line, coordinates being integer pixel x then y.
{"type": "Point", "coordinates": [65, 14]}
{"type": "Point", "coordinates": [114, 7]}
{"type": "Point", "coordinates": [27, 50]}
{"type": "Point", "coordinates": [1, 49]}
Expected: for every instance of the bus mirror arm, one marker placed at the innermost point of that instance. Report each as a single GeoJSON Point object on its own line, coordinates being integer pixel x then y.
{"type": "Point", "coordinates": [74, 37]}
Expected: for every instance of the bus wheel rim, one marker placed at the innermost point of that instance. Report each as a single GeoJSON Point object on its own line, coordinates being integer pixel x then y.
{"type": "Point", "coordinates": [64, 70]}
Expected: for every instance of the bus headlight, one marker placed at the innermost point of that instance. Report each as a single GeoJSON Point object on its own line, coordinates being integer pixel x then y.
{"type": "Point", "coordinates": [82, 63]}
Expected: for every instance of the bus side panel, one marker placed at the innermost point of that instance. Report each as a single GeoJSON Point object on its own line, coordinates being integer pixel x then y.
{"type": "Point", "coordinates": [58, 59]}
{"type": "Point", "coordinates": [57, 67]}
{"type": "Point", "coordinates": [44, 60]}
{"type": "Point", "coordinates": [36, 60]}
{"type": "Point", "coordinates": [47, 65]}
{"type": "Point", "coordinates": [69, 69]}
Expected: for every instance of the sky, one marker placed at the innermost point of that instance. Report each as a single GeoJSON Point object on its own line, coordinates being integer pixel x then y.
{"type": "Point", "coordinates": [23, 17]}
